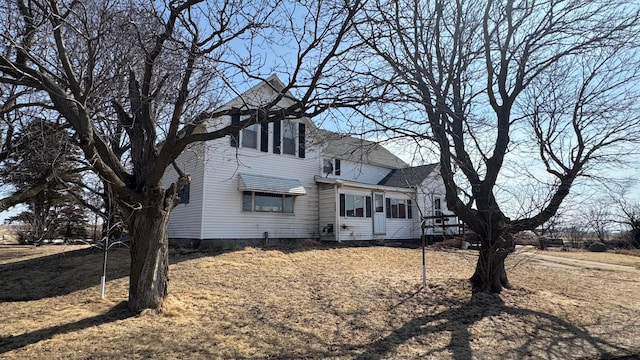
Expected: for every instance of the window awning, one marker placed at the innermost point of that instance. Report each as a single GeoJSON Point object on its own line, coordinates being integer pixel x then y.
{"type": "Point", "coordinates": [270, 184]}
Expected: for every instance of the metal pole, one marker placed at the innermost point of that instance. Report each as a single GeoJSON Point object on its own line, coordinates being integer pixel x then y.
{"type": "Point", "coordinates": [104, 269]}
{"type": "Point", "coordinates": [424, 258]}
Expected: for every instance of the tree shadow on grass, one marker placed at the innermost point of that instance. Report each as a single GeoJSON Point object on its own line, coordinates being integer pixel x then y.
{"type": "Point", "coordinates": [70, 271]}
{"type": "Point", "coordinates": [530, 333]}
{"type": "Point", "coordinates": [9, 343]}
{"type": "Point", "coordinates": [66, 272]}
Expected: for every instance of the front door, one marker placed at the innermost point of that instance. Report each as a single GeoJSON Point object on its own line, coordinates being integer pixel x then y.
{"type": "Point", "coordinates": [379, 225]}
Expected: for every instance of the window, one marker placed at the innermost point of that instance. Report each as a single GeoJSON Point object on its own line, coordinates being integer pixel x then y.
{"type": "Point", "coordinates": [264, 202]}
{"type": "Point", "coordinates": [355, 205]}
{"type": "Point", "coordinates": [437, 207]}
{"type": "Point", "coordinates": [327, 166]}
{"type": "Point", "coordinates": [331, 166]}
{"type": "Point", "coordinates": [286, 135]}
{"type": "Point", "coordinates": [249, 137]}
{"type": "Point", "coordinates": [288, 138]}
{"type": "Point", "coordinates": [379, 203]}
{"type": "Point", "coordinates": [399, 209]}
{"type": "Point", "coordinates": [183, 194]}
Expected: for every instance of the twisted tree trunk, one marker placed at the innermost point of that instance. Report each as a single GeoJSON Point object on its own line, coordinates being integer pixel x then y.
{"type": "Point", "coordinates": [149, 243]}
{"type": "Point", "coordinates": [490, 274]}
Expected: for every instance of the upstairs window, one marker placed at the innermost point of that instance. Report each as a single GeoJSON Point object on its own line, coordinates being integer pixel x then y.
{"type": "Point", "coordinates": [331, 166]}
{"type": "Point", "coordinates": [327, 166]}
{"type": "Point", "coordinates": [288, 138]}
{"type": "Point", "coordinates": [246, 137]}
{"type": "Point", "coordinates": [249, 136]}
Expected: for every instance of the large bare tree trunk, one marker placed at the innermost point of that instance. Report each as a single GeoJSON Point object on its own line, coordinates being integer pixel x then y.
{"type": "Point", "coordinates": [149, 257]}
{"type": "Point", "coordinates": [490, 274]}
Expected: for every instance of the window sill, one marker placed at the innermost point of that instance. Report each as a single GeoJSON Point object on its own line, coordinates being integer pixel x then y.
{"type": "Point", "coordinates": [267, 212]}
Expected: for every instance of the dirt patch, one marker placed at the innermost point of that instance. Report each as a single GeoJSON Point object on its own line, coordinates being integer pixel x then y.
{"type": "Point", "coordinates": [344, 303]}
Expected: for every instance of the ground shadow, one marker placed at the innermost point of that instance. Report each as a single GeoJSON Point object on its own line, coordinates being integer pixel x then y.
{"type": "Point", "coordinates": [9, 343]}
{"type": "Point", "coordinates": [544, 333]}
{"type": "Point", "coordinates": [67, 272]}
{"type": "Point", "coordinates": [531, 334]}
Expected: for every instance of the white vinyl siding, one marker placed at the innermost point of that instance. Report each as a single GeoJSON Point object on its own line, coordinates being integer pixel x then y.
{"type": "Point", "coordinates": [222, 204]}
{"type": "Point", "coordinates": [186, 219]}
{"type": "Point", "coordinates": [224, 218]}
{"type": "Point", "coordinates": [328, 212]}
{"type": "Point", "coordinates": [355, 228]}
{"type": "Point", "coordinates": [430, 189]}
{"type": "Point", "coordinates": [403, 228]}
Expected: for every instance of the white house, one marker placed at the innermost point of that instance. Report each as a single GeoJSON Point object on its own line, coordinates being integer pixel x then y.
{"type": "Point", "coordinates": [290, 181]}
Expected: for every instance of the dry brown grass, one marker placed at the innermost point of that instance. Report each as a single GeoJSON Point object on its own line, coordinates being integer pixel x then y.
{"type": "Point", "coordinates": [362, 303]}
{"type": "Point", "coordinates": [628, 258]}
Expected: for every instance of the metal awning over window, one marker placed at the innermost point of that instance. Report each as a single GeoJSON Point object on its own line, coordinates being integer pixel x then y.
{"type": "Point", "coordinates": [270, 184]}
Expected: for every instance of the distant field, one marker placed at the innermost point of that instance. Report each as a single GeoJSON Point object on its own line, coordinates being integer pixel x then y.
{"type": "Point", "coordinates": [342, 303]}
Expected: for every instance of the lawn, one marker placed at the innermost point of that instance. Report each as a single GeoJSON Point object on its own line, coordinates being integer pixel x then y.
{"type": "Point", "coordinates": [319, 302]}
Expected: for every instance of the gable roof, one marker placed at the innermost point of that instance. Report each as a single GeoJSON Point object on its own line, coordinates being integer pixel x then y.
{"type": "Point", "coordinates": [264, 92]}
{"type": "Point", "coordinates": [345, 147]}
{"type": "Point", "coordinates": [407, 177]}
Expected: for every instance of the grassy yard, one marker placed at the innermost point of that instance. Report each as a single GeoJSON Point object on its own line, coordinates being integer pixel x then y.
{"type": "Point", "coordinates": [316, 302]}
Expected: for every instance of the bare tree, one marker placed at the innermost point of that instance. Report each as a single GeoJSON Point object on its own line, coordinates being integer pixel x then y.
{"type": "Point", "coordinates": [553, 84]}
{"type": "Point", "coordinates": [597, 218]}
{"type": "Point", "coordinates": [632, 220]}
{"type": "Point", "coordinates": [628, 210]}
{"type": "Point", "coordinates": [181, 61]}
{"type": "Point", "coordinates": [576, 234]}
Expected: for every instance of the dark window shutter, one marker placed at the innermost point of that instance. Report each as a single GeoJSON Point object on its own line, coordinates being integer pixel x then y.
{"type": "Point", "coordinates": [183, 194]}
{"type": "Point", "coordinates": [276, 137]}
{"type": "Point", "coordinates": [388, 208]}
{"type": "Point", "coordinates": [409, 210]}
{"type": "Point", "coordinates": [235, 135]}
{"type": "Point", "coordinates": [264, 137]}
{"type": "Point", "coordinates": [342, 205]}
{"type": "Point", "coordinates": [301, 140]}
{"type": "Point", "coordinates": [368, 208]}
{"type": "Point", "coordinates": [336, 170]}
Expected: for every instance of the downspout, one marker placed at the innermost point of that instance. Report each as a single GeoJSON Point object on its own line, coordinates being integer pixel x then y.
{"type": "Point", "coordinates": [337, 211]}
